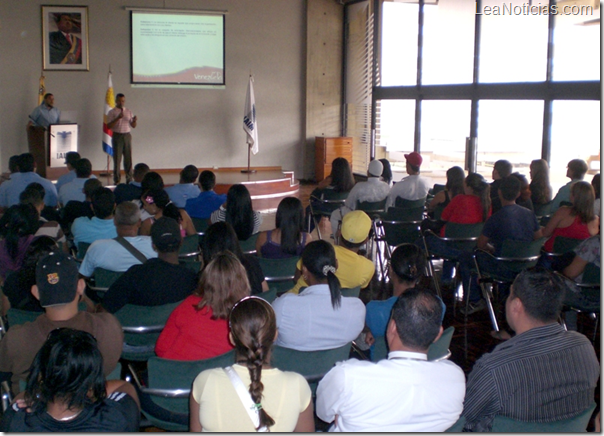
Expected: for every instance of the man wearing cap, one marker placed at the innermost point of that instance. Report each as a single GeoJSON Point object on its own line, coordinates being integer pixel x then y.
{"type": "Point", "coordinates": [158, 281]}
{"type": "Point", "coordinates": [374, 189]}
{"type": "Point", "coordinates": [413, 187]}
{"type": "Point", "coordinates": [353, 269]}
{"type": "Point", "coordinates": [111, 254]}
{"type": "Point", "coordinates": [59, 290]}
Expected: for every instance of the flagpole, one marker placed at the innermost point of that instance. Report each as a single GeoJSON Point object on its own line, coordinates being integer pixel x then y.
{"type": "Point", "coordinates": [253, 117]}
{"type": "Point", "coordinates": [107, 172]}
{"type": "Point", "coordinates": [249, 152]}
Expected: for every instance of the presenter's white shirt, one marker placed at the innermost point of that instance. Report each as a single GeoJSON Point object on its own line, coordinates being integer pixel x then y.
{"type": "Point", "coordinates": [404, 393]}
{"type": "Point", "coordinates": [308, 322]}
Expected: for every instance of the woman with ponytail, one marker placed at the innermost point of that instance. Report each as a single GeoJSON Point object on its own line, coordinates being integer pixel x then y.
{"type": "Point", "coordinates": [157, 203]}
{"type": "Point", "coordinates": [318, 318]}
{"type": "Point", "coordinates": [251, 395]}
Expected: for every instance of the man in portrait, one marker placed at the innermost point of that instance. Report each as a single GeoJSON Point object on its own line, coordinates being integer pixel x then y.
{"type": "Point", "coordinates": [65, 47]}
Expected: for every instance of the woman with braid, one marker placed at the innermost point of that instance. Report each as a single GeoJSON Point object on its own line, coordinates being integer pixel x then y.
{"type": "Point", "coordinates": [318, 318]}
{"type": "Point", "coordinates": [251, 395]}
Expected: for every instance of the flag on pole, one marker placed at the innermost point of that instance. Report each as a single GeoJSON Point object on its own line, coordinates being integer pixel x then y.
{"type": "Point", "coordinates": [41, 90]}
{"type": "Point", "coordinates": [109, 102]}
{"type": "Point", "coordinates": [250, 126]}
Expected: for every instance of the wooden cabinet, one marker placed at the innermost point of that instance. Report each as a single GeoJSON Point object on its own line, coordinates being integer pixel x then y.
{"type": "Point", "coordinates": [326, 150]}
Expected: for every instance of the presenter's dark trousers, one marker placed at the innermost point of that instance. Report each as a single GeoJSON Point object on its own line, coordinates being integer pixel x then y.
{"type": "Point", "coordinates": [122, 145]}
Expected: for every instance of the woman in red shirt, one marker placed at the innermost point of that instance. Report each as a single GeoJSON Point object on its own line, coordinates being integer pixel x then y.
{"type": "Point", "coordinates": [198, 328]}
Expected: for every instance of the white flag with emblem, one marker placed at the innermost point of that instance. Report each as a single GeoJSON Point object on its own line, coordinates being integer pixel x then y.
{"type": "Point", "coordinates": [250, 126]}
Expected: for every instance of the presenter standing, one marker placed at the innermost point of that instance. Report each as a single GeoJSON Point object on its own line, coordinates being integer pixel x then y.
{"type": "Point", "coordinates": [120, 120]}
{"type": "Point", "coordinates": [45, 114]}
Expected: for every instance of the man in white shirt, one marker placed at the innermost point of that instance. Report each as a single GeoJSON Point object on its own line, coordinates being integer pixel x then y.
{"type": "Point", "coordinates": [404, 393]}
{"type": "Point", "coordinates": [413, 187]}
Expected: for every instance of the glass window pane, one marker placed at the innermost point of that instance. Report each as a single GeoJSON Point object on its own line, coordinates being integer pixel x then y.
{"type": "Point", "coordinates": [575, 135]}
{"type": "Point", "coordinates": [448, 52]}
{"type": "Point", "coordinates": [445, 126]}
{"type": "Point", "coordinates": [396, 133]}
{"type": "Point", "coordinates": [513, 45]}
{"type": "Point", "coordinates": [577, 45]}
{"type": "Point", "coordinates": [399, 44]}
{"type": "Point", "coordinates": [511, 130]}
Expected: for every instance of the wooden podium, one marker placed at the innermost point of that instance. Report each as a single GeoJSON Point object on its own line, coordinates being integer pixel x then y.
{"type": "Point", "coordinates": [37, 138]}
{"type": "Point", "coordinates": [326, 150]}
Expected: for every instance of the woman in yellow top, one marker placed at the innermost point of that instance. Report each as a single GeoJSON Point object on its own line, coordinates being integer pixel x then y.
{"type": "Point", "coordinates": [282, 399]}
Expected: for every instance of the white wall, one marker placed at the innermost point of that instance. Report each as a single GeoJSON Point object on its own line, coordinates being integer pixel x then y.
{"type": "Point", "coordinates": [176, 127]}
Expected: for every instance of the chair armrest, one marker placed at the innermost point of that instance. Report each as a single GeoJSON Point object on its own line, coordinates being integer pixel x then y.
{"type": "Point", "coordinates": [166, 393]}
{"type": "Point", "coordinates": [279, 278]}
{"type": "Point", "coordinates": [507, 259]}
{"type": "Point", "coordinates": [143, 329]}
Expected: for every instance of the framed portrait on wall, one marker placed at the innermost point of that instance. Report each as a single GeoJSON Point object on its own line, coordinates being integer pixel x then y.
{"type": "Point", "coordinates": [65, 38]}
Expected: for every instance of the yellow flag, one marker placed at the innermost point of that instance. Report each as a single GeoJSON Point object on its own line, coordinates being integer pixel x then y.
{"type": "Point", "coordinates": [41, 90]}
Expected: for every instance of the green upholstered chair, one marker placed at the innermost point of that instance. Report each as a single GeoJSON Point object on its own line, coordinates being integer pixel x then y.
{"type": "Point", "coordinates": [189, 250]}
{"type": "Point", "coordinates": [279, 273]}
{"type": "Point", "coordinates": [249, 245]}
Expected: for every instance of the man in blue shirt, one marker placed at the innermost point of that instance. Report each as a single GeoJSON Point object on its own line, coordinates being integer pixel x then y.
{"type": "Point", "coordinates": [206, 202]}
{"type": "Point", "coordinates": [71, 157]}
{"type": "Point", "coordinates": [101, 225]}
{"type": "Point", "coordinates": [11, 189]}
{"type": "Point", "coordinates": [185, 189]}
{"type": "Point", "coordinates": [74, 190]}
{"type": "Point", "coordinates": [45, 114]}
{"type": "Point", "coordinates": [133, 190]}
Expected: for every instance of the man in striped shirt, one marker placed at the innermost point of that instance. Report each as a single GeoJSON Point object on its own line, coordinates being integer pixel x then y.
{"type": "Point", "coordinates": [121, 120]}
{"type": "Point", "coordinates": [542, 374]}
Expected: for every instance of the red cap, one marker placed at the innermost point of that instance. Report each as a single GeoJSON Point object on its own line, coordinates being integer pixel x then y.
{"type": "Point", "coordinates": [414, 158]}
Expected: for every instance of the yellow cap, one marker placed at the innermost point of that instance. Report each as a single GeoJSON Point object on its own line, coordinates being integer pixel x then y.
{"type": "Point", "coordinates": [356, 226]}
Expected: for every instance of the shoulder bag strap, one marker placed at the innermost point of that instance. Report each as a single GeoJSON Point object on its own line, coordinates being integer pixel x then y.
{"type": "Point", "coordinates": [245, 398]}
{"type": "Point", "coordinates": [132, 249]}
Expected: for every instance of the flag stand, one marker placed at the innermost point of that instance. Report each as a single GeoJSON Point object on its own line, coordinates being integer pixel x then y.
{"type": "Point", "coordinates": [248, 171]}
{"type": "Point", "coordinates": [107, 173]}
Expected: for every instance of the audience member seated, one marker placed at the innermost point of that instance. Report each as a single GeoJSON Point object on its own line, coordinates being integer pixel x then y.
{"type": "Point", "coordinates": [71, 157]}
{"type": "Point", "coordinates": [501, 169]}
{"type": "Point", "coordinates": [66, 391]}
{"type": "Point", "coordinates": [318, 318]}
{"type": "Point", "coordinates": [74, 190]}
{"type": "Point", "coordinates": [77, 209]}
{"type": "Point", "coordinates": [33, 196]}
{"type": "Point", "coordinates": [151, 181]}
{"type": "Point", "coordinates": [101, 225]}
{"type": "Point", "coordinates": [542, 374]}
{"type": "Point", "coordinates": [13, 167]}
{"type": "Point", "coordinates": [158, 281]}
{"type": "Point", "coordinates": [404, 393]}
{"type": "Point", "coordinates": [276, 401]}
{"type": "Point", "coordinates": [339, 182]}
{"type": "Point", "coordinates": [112, 254]}
{"type": "Point", "coordinates": [406, 268]}
{"type": "Point", "coordinates": [577, 221]}
{"type": "Point", "coordinates": [157, 203]}
{"type": "Point", "coordinates": [386, 172]}
{"type": "Point", "coordinates": [512, 222]}
{"type": "Point", "coordinates": [541, 190]}
{"type": "Point", "coordinates": [575, 171]}
{"type": "Point", "coordinates": [453, 187]}
{"type": "Point", "coordinates": [238, 212]}
{"type": "Point", "coordinates": [197, 329]}
{"type": "Point", "coordinates": [185, 188]}
{"type": "Point", "coordinates": [133, 190]}
{"type": "Point", "coordinates": [59, 289]}
{"type": "Point", "coordinates": [289, 237]}
{"type": "Point", "coordinates": [595, 182]}
{"type": "Point", "coordinates": [524, 199]}
{"type": "Point", "coordinates": [207, 201]}
{"type": "Point", "coordinates": [353, 269]}
{"type": "Point", "coordinates": [413, 187]}
{"type": "Point", "coordinates": [10, 190]}
{"type": "Point", "coordinates": [17, 229]}
{"type": "Point", "coordinates": [17, 286]}
{"type": "Point", "coordinates": [221, 237]}
{"type": "Point", "coordinates": [373, 190]}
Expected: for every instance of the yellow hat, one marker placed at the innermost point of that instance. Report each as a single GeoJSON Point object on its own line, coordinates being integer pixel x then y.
{"type": "Point", "coordinates": [356, 226]}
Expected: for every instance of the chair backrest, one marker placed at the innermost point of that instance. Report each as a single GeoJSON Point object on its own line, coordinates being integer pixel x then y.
{"type": "Point", "coordinates": [404, 214]}
{"type": "Point", "coordinates": [18, 316]}
{"type": "Point", "coordinates": [456, 230]}
{"type": "Point", "coordinates": [279, 273]}
{"type": "Point", "coordinates": [330, 194]}
{"type": "Point", "coordinates": [193, 265]}
{"type": "Point", "coordinates": [440, 349]}
{"type": "Point", "coordinates": [249, 245]}
{"type": "Point", "coordinates": [82, 249]}
{"type": "Point", "coordinates": [169, 386]}
{"type": "Point", "coordinates": [397, 233]}
{"type": "Point", "coordinates": [104, 278]}
{"type": "Point", "coordinates": [201, 225]}
{"type": "Point", "coordinates": [409, 204]}
{"type": "Point", "coordinates": [563, 244]}
{"type": "Point", "coordinates": [311, 364]}
{"type": "Point", "coordinates": [351, 292]}
{"type": "Point", "coordinates": [521, 249]}
{"type": "Point", "coordinates": [189, 250]}
{"type": "Point", "coordinates": [591, 275]}
{"type": "Point", "coordinates": [372, 207]}
{"type": "Point", "coordinates": [437, 188]}
{"type": "Point", "coordinates": [543, 209]}
{"type": "Point", "coordinates": [577, 424]}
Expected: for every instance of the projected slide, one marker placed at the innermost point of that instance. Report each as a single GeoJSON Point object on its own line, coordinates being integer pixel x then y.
{"type": "Point", "coordinates": [169, 48]}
